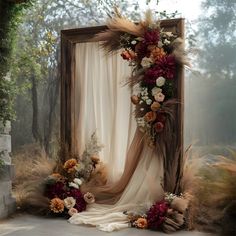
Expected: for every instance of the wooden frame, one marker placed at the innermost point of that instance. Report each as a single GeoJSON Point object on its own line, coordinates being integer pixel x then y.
{"type": "Point", "coordinates": [69, 39]}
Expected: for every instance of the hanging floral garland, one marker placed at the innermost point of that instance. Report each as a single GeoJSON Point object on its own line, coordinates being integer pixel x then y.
{"type": "Point", "coordinates": [154, 56]}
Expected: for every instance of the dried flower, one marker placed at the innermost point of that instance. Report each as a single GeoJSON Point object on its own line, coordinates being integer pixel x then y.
{"type": "Point", "coordinates": [70, 164]}
{"type": "Point", "coordinates": [57, 205]}
{"type": "Point", "coordinates": [141, 223]}
{"type": "Point", "coordinates": [160, 81]}
{"type": "Point", "coordinates": [160, 97]}
{"type": "Point", "coordinates": [159, 127]}
{"type": "Point", "coordinates": [69, 202]}
{"type": "Point", "coordinates": [150, 116]}
{"type": "Point", "coordinates": [56, 177]}
{"type": "Point", "coordinates": [155, 106]}
{"type": "Point", "coordinates": [89, 198]}
{"type": "Point", "coordinates": [134, 99]}
{"type": "Point", "coordinates": [72, 211]}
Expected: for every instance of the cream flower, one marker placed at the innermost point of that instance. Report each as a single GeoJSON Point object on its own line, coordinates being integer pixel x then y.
{"type": "Point", "coordinates": [69, 202]}
{"type": "Point", "coordinates": [72, 211]}
{"type": "Point", "coordinates": [73, 185]}
{"type": "Point", "coordinates": [146, 62]}
{"type": "Point", "coordinates": [77, 181]}
{"type": "Point", "coordinates": [89, 198]}
{"type": "Point", "coordinates": [166, 42]}
{"type": "Point", "coordinates": [149, 101]}
{"type": "Point", "coordinates": [156, 90]}
{"type": "Point", "coordinates": [160, 81]}
{"type": "Point", "coordinates": [159, 97]}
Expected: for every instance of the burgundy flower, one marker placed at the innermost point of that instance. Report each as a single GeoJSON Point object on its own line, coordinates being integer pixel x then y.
{"type": "Point", "coordinates": [151, 37]}
{"type": "Point", "coordinates": [78, 196]}
{"type": "Point", "coordinates": [151, 75]}
{"type": "Point", "coordinates": [167, 66]}
{"type": "Point", "coordinates": [56, 190]}
{"type": "Point", "coordinates": [141, 50]}
{"type": "Point", "coordinates": [156, 215]}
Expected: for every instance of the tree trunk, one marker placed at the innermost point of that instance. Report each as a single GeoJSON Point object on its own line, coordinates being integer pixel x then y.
{"type": "Point", "coordinates": [35, 123]}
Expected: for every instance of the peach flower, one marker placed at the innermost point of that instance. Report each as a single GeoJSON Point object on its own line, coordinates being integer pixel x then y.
{"type": "Point", "coordinates": [150, 116]}
{"type": "Point", "coordinates": [57, 205]}
{"type": "Point", "coordinates": [134, 99]}
{"type": "Point", "coordinates": [157, 54]}
{"type": "Point", "coordinates": [70, 164]}
{"type": "Point", "coordinates": [141, 223]}
{"type": "Point", "coordinates": [72, 211]}
{"type": "Point", "coordinates": [155, 106]}
{"type": "Point", "coordinates": [159, 97]}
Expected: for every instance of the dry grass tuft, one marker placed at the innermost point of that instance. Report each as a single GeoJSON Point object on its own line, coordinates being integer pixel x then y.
{"type": "Point", "coordinates": [32, 166]}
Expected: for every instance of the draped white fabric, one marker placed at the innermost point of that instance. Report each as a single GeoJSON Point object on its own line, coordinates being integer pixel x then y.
{"type": "Point", "coordinates": [103, 104]}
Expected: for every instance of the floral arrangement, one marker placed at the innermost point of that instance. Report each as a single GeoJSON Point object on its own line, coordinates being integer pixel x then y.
{"type": "Point", "coordinates": [167, 215]}
{"type": "Point", "coordinates": [64, 189]}
{"type": "Point", "coordinates": [154, 56]}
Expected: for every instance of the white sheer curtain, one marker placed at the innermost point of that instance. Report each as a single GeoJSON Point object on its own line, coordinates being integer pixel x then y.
{"type": "Point", "coordinates": [103, 104]}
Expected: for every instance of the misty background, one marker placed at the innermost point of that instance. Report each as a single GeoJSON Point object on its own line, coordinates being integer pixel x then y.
{"type": "Point", "coordinates": [210, 85]}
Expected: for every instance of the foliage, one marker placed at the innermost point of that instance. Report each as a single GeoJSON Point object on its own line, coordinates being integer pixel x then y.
{"type": "Point", "coordinates": [10, 18]}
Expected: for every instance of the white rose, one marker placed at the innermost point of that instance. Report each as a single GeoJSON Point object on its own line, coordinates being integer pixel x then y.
{"type": "Point", "coordinates": [73, 185]}
{"type": "Point", "coordinates": [69, 202]}
{"type": "Point", "coordinates": [156, 90]}
{"type": "Point", "coordinates": [146, 62]}
{"type": "Point", "coordinates": [77, 181]}
{"type": "Point", "coordinates": [160, 81]}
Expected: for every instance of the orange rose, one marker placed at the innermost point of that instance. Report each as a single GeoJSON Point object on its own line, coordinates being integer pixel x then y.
{"type": "Point", "coordinates": [150, 116]}
{"type": "Point", "coordinates": [141, 223]}
{"type": "Point", "coordinates": [157, 53]}
{"type": "Point", "coordinates": [57, 205]}
{"type": "Point", "coordinates": [70, 165]}
{"type": "Point", "coordinates": [155, 106]}
{"type": "Point", "coordinates": [134, 99]}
